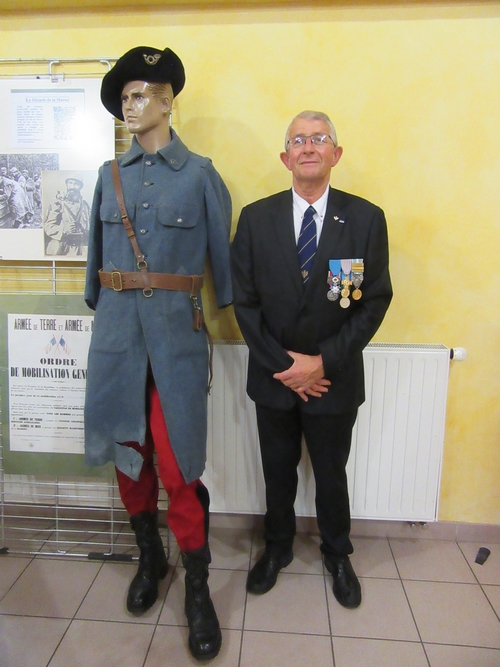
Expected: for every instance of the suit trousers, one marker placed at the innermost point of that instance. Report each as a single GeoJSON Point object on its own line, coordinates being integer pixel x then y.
{"type": "Point", "coordinates": [328, 441]}
{"type": "Point", "coordinates": [187, 514]}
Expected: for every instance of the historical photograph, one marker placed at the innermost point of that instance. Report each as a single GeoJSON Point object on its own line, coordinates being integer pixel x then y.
{"type": "Point", "coordinates": [21, 188]}
{"type": "Point", "coordinates": [66, 202]}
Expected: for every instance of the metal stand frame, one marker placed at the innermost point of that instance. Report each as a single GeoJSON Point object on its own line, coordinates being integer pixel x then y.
{"type": "Point", "coordinates": [61, 516]}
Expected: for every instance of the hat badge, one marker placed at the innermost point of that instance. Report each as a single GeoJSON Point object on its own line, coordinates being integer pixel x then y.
{"type": "Point", "coordinates": [152, 60]}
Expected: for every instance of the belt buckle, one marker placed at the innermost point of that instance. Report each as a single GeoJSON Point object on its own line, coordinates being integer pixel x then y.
{"type": "Point", "coordinates": [120, 282]}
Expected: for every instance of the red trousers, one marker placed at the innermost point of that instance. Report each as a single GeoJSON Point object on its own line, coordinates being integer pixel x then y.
{"type": "Point", "coordinates": [187, 515]}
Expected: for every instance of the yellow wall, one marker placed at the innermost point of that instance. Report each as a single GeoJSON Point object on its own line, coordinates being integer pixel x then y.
{"type": "Point", "coordinates": [414, 92]}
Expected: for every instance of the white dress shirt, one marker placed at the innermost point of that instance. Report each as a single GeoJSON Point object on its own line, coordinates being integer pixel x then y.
{"type": "Point", "coordinates": [301, 205]}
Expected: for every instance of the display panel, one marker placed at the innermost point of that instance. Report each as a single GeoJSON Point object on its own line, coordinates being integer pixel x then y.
{"type": "Point", "coordinates": [55, 136]}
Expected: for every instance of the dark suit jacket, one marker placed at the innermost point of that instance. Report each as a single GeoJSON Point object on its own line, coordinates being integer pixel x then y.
{"type": "Point", "coordinates": [276, 313]}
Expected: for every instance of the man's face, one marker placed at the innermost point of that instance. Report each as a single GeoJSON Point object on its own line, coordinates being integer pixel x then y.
{"type": "Point", "coordinates": [3, 171]}
{"type": "Point", "coordinates": [71, 184]}
{"type": "Point", "coordinates": [141, 110]}
{"type": "Point", "coordinates": [73, 189]}
{"type": "Point", "coordinates": [310, 163]}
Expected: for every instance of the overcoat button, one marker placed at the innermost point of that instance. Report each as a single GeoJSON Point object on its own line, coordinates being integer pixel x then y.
{"type": "Point", "coordinates": [143, 231]}
{"type": "Point", "coordinates": [148, 162]}
{"type": "Point", "coordinates": [179, 219]}
{"type": "Point", "coordinates": [145, 205]}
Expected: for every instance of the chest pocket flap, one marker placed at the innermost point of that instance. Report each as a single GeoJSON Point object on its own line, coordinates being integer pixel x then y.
{"type": "Point", "coordinates": [185, 216]}
{"type": "Point", "coordinates": [110, 212]}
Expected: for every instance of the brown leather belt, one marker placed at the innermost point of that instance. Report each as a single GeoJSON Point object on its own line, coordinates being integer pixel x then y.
{"type": "Point", "coordinates": [121, 280]}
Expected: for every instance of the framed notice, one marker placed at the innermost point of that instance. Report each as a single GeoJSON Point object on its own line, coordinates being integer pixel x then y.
{"type": "Point", "coordinates": [43, 368]}
{"type": "Point", "coordinates": [54, 138]}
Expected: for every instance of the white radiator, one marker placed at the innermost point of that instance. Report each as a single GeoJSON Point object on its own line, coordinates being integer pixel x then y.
{"type": "Point", "coordinates": [395, 462]}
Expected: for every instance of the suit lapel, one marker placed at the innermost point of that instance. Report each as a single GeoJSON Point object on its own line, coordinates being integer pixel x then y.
{"type": "Point", "coordinates": [284, 239]}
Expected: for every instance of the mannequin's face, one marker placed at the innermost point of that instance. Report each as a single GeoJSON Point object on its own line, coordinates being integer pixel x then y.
{"type": "Point", "coordinates": [142, 111]}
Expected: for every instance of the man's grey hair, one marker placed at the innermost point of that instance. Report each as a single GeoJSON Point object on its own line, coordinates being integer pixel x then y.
{"type": "Point", "coordinates": [313, 115]}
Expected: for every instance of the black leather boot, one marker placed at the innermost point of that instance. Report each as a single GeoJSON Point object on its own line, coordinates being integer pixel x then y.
{"type": "Point", "coordinates": [153, 565]}
{"type": "Point", "coordinates": [204, 631]}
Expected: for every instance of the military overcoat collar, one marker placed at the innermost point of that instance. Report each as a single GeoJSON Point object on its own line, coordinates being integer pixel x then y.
{"type": "Point", "coordinates": [175, 153]}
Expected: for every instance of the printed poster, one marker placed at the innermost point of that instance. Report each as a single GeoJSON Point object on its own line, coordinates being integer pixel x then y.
{"type": "Point", "coordinates": [47, 367]}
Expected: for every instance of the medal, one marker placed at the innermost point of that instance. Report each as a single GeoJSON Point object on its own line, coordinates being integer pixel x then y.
{"type": "Point", "coordinates": [346, 282]}
{"type": "Point", "coordinates": [358, 269]}
{"type": "Point", "coordinates": [333, 279]}
{"type": "Point", "coordinates": [342, 275]}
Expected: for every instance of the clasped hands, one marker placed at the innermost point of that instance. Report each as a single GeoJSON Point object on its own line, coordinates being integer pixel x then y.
{"type": "Point", "coordinates": [306, 376]}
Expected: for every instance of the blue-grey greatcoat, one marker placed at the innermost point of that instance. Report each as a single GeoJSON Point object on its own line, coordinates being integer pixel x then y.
{"type": "Point", "coordinates": [180, 209]}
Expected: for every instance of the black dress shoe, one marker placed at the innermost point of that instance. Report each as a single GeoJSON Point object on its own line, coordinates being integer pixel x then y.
{"type": "Point", "coordinates": [346, 586]}
{"type": "Point", "coordinates": [264, 573]}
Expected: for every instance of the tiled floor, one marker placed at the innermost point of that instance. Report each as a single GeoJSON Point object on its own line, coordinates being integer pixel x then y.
{"type": "Point", "coordinates": [425, 604]}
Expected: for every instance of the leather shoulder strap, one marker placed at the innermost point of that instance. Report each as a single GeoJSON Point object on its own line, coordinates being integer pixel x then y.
{"type": "Point", "coordinates": [141, 262]}
{"type": "Point", "coordinates": [115, 172]}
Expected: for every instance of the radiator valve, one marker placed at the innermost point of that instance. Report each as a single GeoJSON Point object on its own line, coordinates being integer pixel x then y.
{"type": "Point", "coordinates": [458, 353]}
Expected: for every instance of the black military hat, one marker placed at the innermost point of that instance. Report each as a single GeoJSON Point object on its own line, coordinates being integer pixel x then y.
{"type": "Point", "coordinates": [142, 63]}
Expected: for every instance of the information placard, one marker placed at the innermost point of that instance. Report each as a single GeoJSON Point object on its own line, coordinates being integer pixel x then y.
{"type": "Point", "coordinates": [44, 342]}
{"type": "Point", "coordinates": [55, 136]}
{"type": "Point", "coordinates": [47, 371]}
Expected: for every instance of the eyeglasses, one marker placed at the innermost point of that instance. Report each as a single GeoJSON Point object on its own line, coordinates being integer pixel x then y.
{"type": "Point", "coordinates": [316, 139]}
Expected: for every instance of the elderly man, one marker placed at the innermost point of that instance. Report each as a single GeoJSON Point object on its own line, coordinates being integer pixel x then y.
{"type": "Point", "coordinates": [154, 217]}
{"type": "Point", "coordinates": [311, 287]}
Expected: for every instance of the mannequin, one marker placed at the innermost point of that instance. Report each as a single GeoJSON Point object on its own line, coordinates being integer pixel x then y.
{"type": "Point", "coordinates": [148, 358]}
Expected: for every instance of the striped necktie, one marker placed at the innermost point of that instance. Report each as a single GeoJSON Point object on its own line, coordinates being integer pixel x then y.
{"type": "Point", "coordinates": [307, 243]}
